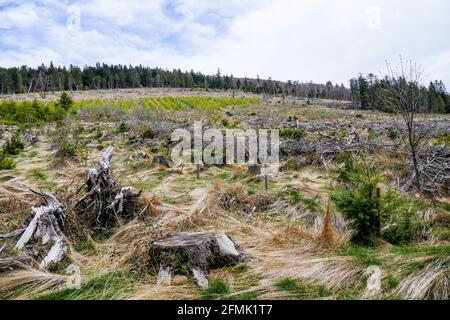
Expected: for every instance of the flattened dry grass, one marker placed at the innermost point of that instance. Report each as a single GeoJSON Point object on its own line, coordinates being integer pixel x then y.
{"type": "Point", "coordinates": [25, 284]}
{"type": "Point", "coordinates": [431, 280]}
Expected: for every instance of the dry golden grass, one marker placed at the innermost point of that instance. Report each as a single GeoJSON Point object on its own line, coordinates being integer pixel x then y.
{"type": "Point", "coordinates": [27, 283]}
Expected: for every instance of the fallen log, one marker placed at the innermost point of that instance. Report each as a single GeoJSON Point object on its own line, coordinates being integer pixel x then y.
{"type": "Point", "coordinates": [194, 254]}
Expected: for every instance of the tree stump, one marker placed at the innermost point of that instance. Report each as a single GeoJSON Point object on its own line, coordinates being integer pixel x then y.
{"type": "Point", "coordinates": [194, 254]}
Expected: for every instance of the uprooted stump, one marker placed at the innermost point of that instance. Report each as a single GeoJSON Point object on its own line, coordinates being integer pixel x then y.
{"type": "Point", "coordinates": [194, 254]}
{"type": "Point", "coordinates": [106, 204]}
{"type": "Point", "coordinates": [46, 225]}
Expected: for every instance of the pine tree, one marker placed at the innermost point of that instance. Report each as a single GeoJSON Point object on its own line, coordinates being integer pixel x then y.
{"type": "Point", "coordinates": [65, 101]}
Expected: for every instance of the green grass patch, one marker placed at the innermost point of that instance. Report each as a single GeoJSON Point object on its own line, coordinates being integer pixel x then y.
{"type": "Point", "coordinates": [86, 247]}
{"type": "Point", "coordinates": [217, 289]}
{"type": "Point", "coordinates": [157, 178]}
{"type": "Point", "coordinates": [240, 269]}
{"type": "Point", "coordinates": [300, 290]}
{"type": "Point", "coordinates": [105, 287]}
{"type": "Point", "coordinates": [443, 250]}
{"type": "Point", "coordinates": [367, 256]}
{"type": "Point", "coordinates": [445, 206]}
{"type": "Point", "coordinates": [146, 186]}
{"type": "Point", "coordinates": [6, 163]}
{"type": "Point", "coordinates": [191, 182]}
{"type": "Point", "coordinates": [292, 134]}
{"type": "Point", "coordinates": [34, 154]}
{"type": "Point", "coordinates": [442, 140]}
{"type": "Point", "coordinates": [391, 282]}
{"type": "Point", "coordinates": [295, 198]}
{"type": "Point", "coordinates": [39, 175]}
{"type": "Point", "coordinates": [226, 175]}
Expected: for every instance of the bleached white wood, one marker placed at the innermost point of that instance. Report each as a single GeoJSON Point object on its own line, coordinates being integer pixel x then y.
{"type": "Point", "coordinates": [45, 226]}
{"type": "Point", "coordinates": [164, 276]}
{"type": "Point", "coordinates": [200, 277]}
{"type": "Point", "coordinates": [56, 253]}
{"type": "Point", "coordinates": [226, 246]}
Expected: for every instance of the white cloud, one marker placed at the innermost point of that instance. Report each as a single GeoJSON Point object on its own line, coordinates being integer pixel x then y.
{"type": "Point", "coordinates": [303, 40]}
{"type": "Point", "coordinates": [22, 16]}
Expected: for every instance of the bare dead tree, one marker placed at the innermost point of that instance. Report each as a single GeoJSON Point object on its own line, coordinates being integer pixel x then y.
{"type": "Point", "coordinates": [405, 96]}
{"type": "Point", "coordinates": [42, 84]}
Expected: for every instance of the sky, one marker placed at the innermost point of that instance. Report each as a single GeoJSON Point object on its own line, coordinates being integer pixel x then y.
{"type": "Point", "coordinates": [304, 40]}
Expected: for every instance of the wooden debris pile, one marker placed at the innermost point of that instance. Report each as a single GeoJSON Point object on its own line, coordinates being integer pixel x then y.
{"type": "Point", "coordinates": [434, 168]}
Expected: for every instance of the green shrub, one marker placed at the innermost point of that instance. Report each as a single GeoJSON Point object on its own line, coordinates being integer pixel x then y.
{"type": "Point", "coordinates": [148, 134]}
{"type": "Point", "coordinates": [24, 112]}
{"type": "Point", "coordinates": [347, 169]}
{"type": "Point", "coordinates": [399, 217]}
{"type": "Point", "coordinates": [342, 133]}
{"type": "Point", "coordinates": [393, 133]}
{"type": "Point", "coordinates": [356, 197]}
{"type": "Point", "coordinates": [67, 138]}
{"type": "Point", "coordinates": [123, 127]}
{"type": "Point", "coordinates": [5, 162]}
{"type": "Point", "coordinates": [64, 102]}
{"type": "Point", "coordinates": [98, 134]}
{"type": "Point", "coordinates": [372, 134]}
{"type": "Point", "coordinates": [14, 145]}
{"type": "Point", "coordinates": [66, 149]}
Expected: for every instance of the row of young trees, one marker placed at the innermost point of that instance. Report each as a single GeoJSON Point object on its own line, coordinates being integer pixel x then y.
{"type": "Point", "coordinates": [368, 92]}
{"type": "Point", "coordinates": [103, 76]}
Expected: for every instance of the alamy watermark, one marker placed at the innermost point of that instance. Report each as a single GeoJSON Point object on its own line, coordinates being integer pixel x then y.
{"type": "Point", "coordinates": [74, 280]}
{"type": "Point", "coordinates": [73, 21]}
{"type": "Point", "coordinates": [230, 146]}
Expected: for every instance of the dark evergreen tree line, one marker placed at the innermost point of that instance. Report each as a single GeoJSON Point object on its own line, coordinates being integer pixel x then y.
{"type": "Point", "coordinates": [102, 76]}
{"type": "Point", "coordinates": [368, 92]}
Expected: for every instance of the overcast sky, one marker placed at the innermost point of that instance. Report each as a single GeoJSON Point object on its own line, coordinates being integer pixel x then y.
{"type": "Point", "coordinates": [306, 40]}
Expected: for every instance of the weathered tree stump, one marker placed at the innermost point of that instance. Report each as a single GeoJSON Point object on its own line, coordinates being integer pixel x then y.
{"type": "Point", "coordinates": [194, 254]}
